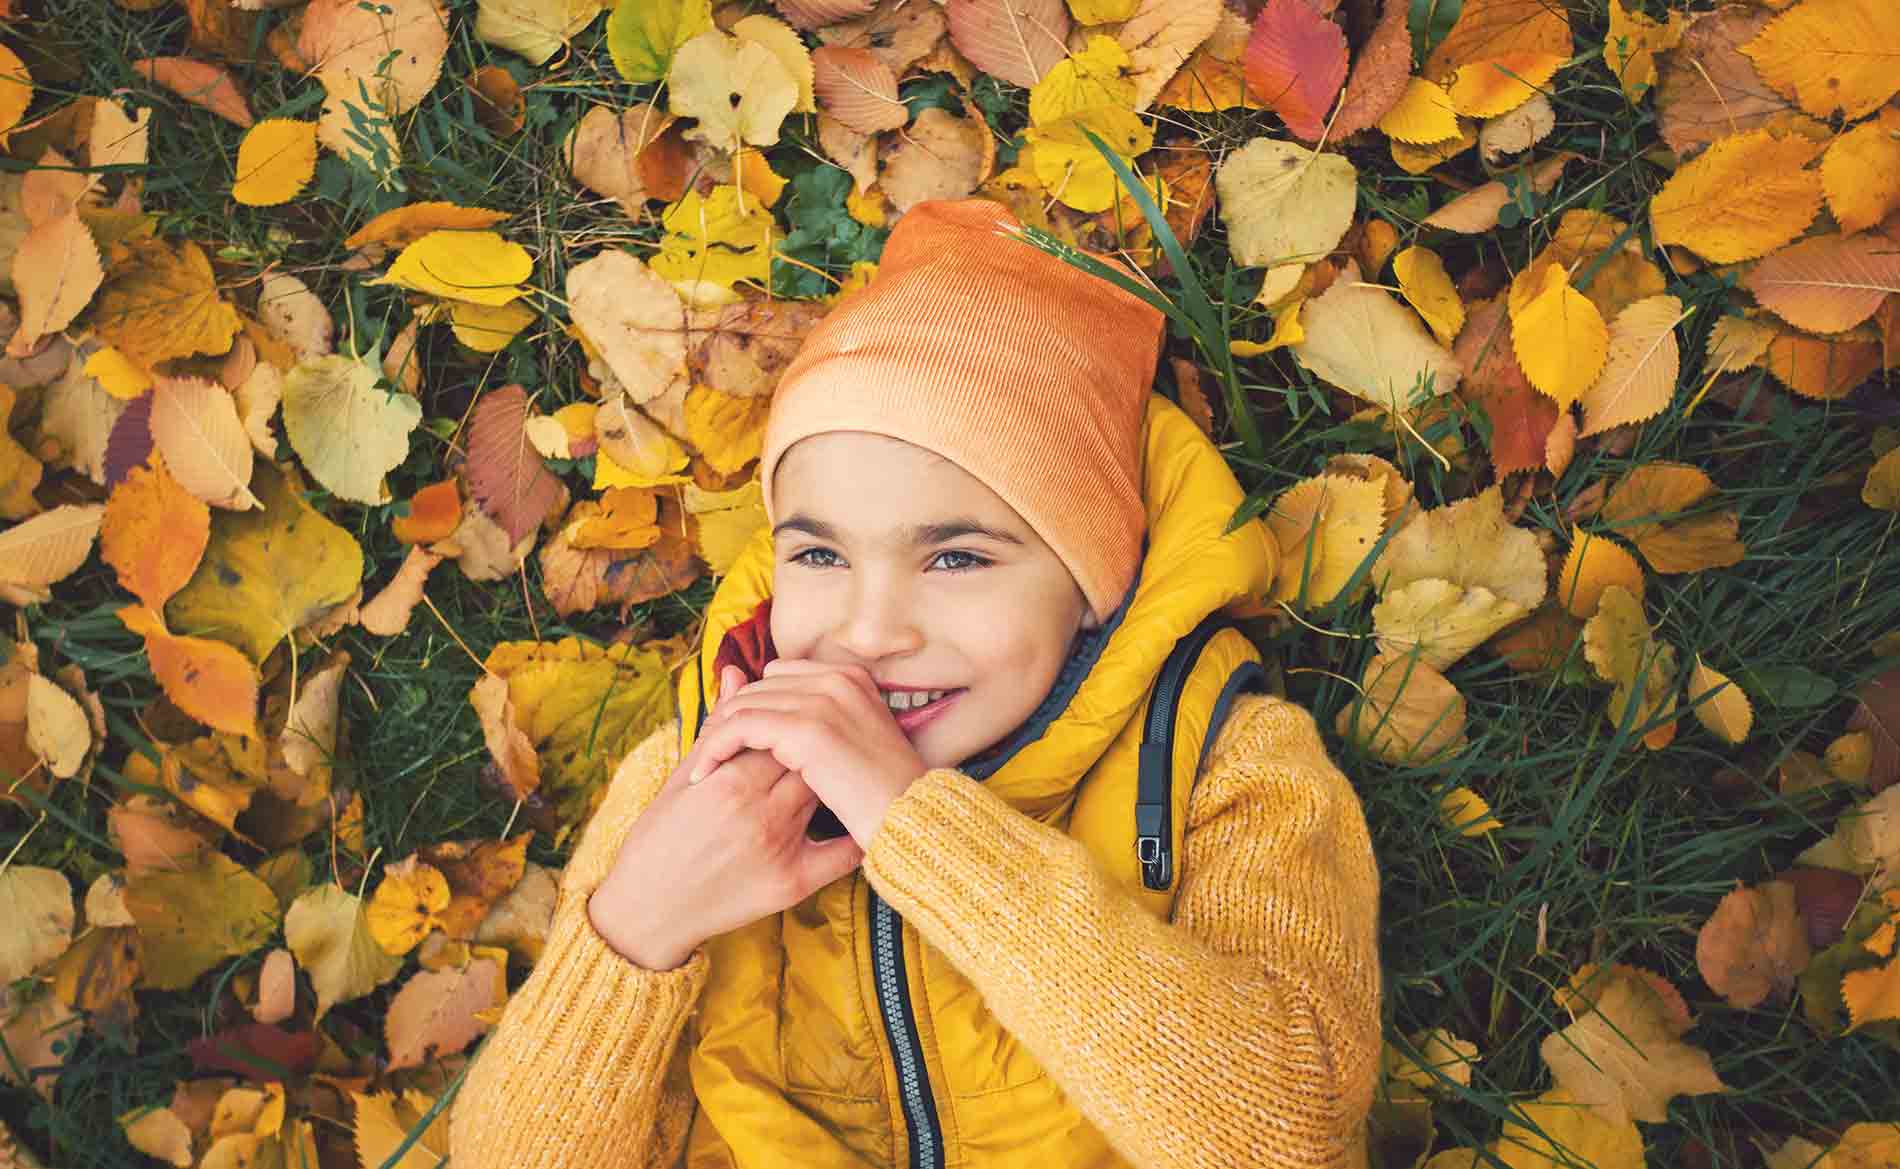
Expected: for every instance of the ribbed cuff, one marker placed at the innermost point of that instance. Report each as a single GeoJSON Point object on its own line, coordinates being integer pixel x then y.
{"type": "Point", "coordinates": [948, 841]}
{"type": "Point", "coordinates": [598, 1010]}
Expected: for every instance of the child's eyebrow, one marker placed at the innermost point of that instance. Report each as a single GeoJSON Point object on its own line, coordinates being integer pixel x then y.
{"type": "Point", "coordinates": [921, 535]}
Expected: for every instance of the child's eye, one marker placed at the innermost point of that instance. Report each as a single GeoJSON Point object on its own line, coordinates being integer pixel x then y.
{"type": "Point", "coordinates": [805, 556]}
{"type": "Point", "coordinates": [963, 561]}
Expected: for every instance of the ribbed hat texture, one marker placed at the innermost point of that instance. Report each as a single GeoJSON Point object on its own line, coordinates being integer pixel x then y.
{"type": "Point", "coordinates": [1023, 370]}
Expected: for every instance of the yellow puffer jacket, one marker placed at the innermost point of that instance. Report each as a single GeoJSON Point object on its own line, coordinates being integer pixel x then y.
{"type": "Point", "coordinates": [831, 1034]}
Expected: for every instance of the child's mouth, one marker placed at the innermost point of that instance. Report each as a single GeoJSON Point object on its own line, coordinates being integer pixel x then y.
{"type": "Point", "coordinates": [917, 716]}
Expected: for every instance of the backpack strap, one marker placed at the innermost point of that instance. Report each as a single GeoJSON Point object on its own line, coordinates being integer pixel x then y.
{"type": "Point", "coordinates": [1154, 827]}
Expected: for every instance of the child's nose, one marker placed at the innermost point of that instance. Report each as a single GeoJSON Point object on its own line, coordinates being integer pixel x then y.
{"type": "Point", "coordinates": [880, 623]}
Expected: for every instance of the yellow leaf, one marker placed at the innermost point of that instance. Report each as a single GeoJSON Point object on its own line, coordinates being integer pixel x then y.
{"type": "Point", "coordinates": [348, 432]}
{"type": "Point", "coordinates": [625, 518]}
{"type": "Point", "coordinates": [1861, 172]}
{"type": "Point", "coordinates": [489, 328]}
{"type": "Point", "coordinates": [1644, 507]}
{"type": "Point", "coordinates": [157, 1132]}
{"type": "Point", "coordinates": [1362, 340]}
{"type": "Point", "coordinates": [726, 521]}
{"type": "Point", "coordinates": [739, 90]}
{"type": "Point", "coordinates": [56, 270]}
{"type": "Point", "coordinates": [1417, 159]}
{"type": "Point", "coordinates": [46, 549]}
{"type": "Point", "coordinates": [1283, 203]}
{"type": "Point", "coordinates": [642, 38]}
{"type": "Point", "coordinates": [1639, 368]}
{"type": "Point", "coordinates": [384, 1121]}
{"type": "Point", "coordinates": [405, 225]}
{"type": "Point", "coordinates": [1331, 521]}
{"type": "Point", "coordinates": [476, 266]}
{"type": "Point", "coordinates": [715, 239]}
{"type": "Point", "coordinates": [57, 729]}
{"type": "Point", "coordinates": [1467, 813]}
{"type": "Point", "coordinates": [1067, 164]}
{"type": "Point", "coordinates": [1442, 621]}
{"type": "Point", "coordinates": [1743, 197]}
{"type": "Point", "coordinates": [1594, 565]}
{"type": "Point", "coordinates": [1623, 1058]}
{"type": "Point", "coordinates": [196, 428]}
{"type": "Point", "coordinates": [325, 928]}
{"type": "Point", "coordinates": [1427, 287]}
{"type": "Point", "coordinates": [275, 160]}
{"type": "Point", "coordinates": [1097, 76]}
{"type": "Point", "coordinates": [729, 431]}
{"type": "Point", "coordinates": [154, 533]}
{"type": "Point", "coordinates": [1850, 757]}
{"type": "Point", "coordinates": [1727, 714]}
{"type": "Point", "coordinates": [121, 377]}
{"type": "Point", "coordinates": [1558, 335]}
{"type": "Point", "coordinates": [1406, 712]}
{"type": "Point", "coordinates": [582, 706]}
{"type": "Point", "coordinates": [1564, 1132]}
{"type": "Point", "coordinates": [1424, 114]}
{"type": "Point", "coordinates": [1490, 89]}
{"type": "Point", "coordinates": [406, 905]}
{"type": "Point", "coordinates": [1633, 44]}
{"type": "Point", "coordinates": [1882, 489]}
{"type": "Point", "coordinates": [267, 572]}
{"type": "Point", "coordinates": [1468, 543]}
{"type": "Point", "coordinates": [38, 906]}
{"type": "Point", "coordinates": [190, 921]}
{"type": "Point", "coordinates": [164, 305]}
{"type": "Point", "coordinates": [1617, 642]}
{"type": "Point", "coordinates": [16, 90]}
{"type": "Point", "coordinates": [536, 29]}
{"type": "Point", "coordinates": [1831, 55]}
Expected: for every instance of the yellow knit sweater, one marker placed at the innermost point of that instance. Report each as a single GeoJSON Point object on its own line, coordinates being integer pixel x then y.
{"type": "Point", "coordinates": [1245, 1032]}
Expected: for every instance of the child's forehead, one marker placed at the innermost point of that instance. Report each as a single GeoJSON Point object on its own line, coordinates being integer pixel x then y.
{"type": "Point", "coordinates": [880, 487]}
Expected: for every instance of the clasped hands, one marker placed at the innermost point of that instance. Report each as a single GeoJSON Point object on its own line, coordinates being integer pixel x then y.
{"type": "Point", "coordinates": [826, 723]}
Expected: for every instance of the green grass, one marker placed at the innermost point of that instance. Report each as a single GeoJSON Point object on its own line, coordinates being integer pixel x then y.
{"type": "Point", "coordinates": [1609, 852]}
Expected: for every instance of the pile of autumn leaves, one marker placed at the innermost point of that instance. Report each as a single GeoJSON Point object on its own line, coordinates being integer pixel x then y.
{"type": "Point", "coordinates": [149, 387]}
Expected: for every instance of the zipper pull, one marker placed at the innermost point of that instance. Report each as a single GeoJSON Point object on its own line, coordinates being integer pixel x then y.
{"type": "Point", "coordinates": [1152, 845]}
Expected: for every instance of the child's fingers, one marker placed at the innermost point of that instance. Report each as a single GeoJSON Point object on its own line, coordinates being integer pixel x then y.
{"type": "Point", "coordinates": [761, 731]}
{"type": "Point", "coordinates": [780, 667]}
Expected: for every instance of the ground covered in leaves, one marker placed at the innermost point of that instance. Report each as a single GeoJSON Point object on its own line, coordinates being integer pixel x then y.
{"type": "Point", "coordinates": [1554, 343]}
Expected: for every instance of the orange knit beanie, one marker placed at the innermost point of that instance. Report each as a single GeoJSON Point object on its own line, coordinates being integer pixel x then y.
{"type": "Point", "coordinates": [1025, 371]}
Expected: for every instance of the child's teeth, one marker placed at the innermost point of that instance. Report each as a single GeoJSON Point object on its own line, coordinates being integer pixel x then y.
{"type": "Point", "coordinates": [911, 700]}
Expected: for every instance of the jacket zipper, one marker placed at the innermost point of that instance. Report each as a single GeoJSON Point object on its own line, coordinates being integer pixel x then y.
{"type": "Point", "coordinates": [900, 1027]}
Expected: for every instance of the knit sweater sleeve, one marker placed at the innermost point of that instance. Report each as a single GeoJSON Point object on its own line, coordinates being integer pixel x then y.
{"type": "Point", "coordinates": [1244, 1032]}
{"type": "Point", "coordinates": [586, 1067]}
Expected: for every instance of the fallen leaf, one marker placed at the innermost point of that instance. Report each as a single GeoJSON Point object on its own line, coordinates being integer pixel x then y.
{"type": "Point", "coordinates": [1623, 1057]}
{"type": "Point", "coordinates": [292, 312]}
{"type": "Point", "coordinates": [1498, 52]}
{"type": "Point", "coordinates": [1427, 287]}
{"type": "Point", "coordinates": [348, 432]}
{"type": "Point", "coordinates": [39, 552]}
{"type": "Point", "coordinates": [405, 906]}
{"type": "Point", "coordinates": [275, 161]}
{"type": "Point", "coordinates": [387, 613]}
{"type": "Point", "coordinates": [1645, 508]}
{"type": "Point", "coordinates": [1422, 115]}
{"type": "Point", "coordinates": [1617, 642]}
{"type": "Point", "coordinates": [737, 90]}
{"type": "Point", "coordinates": [434, 513]}
{"type": "Point", "coordinates": [1324, 527]}
{"type": "Point", "coordinates": [1378, 78]}
{"type": "Point", "coordinates": [190, 921]}
{"type": "Point", "coordinates": [1283, 203]}
{"type": "Point", "coordinates": [1745, 196]}
{"type": "Point", "coordinates": [1442, 621]}
{"type": "Point", "coordinates": [38, 905]}
{"type": "Point", "coordinates": [1817, 53]}
{"type": "Point", "coordinates": [153, 534]}
{"type": "Point", "coordinates": [195, 427]}
{"type": "Point", "coordinates": [200, 82]}
{"type": "Point", "coordinates": [56, 271]}
{"type": "Point", "coordinates": [505, 473]}
{"type": "Point", "coordinates": [1861, 172]}
{"type": "Point", "coordinates": [1017, 41]}
{"type": "Point", "coordinates": [267, 572]}
{"type": "Point", "coordinates": [1560, 338]}
{"type": "Point", "coordinates": [633, 317]}
{"type": "Point", "coordinates": [1727, 714]}
{"type": "Point", "coordinates": [1878, 714]}
{"type": "Point", "coordinates": [1640, 366]}
{"type": "Point", "coordinates": [1633, 45]}
{"type": "Point", "coordinates": [1517, 131]}
{"type": "Point", "coordinates": [479, 267]}
{"type": "Point", "coordinates": [434, 1014]}
{"type": "Point", "coordinates": [1295, 63]}
{"type": "Point", "coordinates": [1827, 283]}
{"type": "Point", "coordinates": [1559, 1129]}
{"type": "Point", "coordinates": [536, 29]}
{"type": "Point", "coordinates": [1476, 211]}
{"type": "Point", "coordinates": [384, 1122]}
{"type": "Point", "coordinates": [1363, 341]}
{"type": "Point", "coordinates": [57, 728]}
{"type": "Point", "coordinates": [1406, 712]}
{"type": "Point", "coordinates": [326, 930]}
{"type": "Point", "coordinates": [1708, 87]}
{"type": "Point", "coordinates": [162, 305]}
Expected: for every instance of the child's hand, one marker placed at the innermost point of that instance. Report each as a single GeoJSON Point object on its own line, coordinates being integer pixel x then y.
{"type": "Point", "coordinates": [829, 725]}
{"type": "Point", "coordinates": [698, 862]}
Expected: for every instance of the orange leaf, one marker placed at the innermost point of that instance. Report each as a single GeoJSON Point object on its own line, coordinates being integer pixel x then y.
{"type": "Point", "coordinates": [857, 89]}
{"type": "Point", "coordinates": [1827, 283]}
{"type": "Point", "coordinates": [154, 534]}
{"type": "Point", "coordinates": [55, 271]}
{"type": "Point", "coordinates": [208, 680]}
{"type": "Point", "coordinates": [1295, 63]}
{"type": "Point", "coordinates": [434, 513]}
{"type": "Point", "coordinates": [200, 83]}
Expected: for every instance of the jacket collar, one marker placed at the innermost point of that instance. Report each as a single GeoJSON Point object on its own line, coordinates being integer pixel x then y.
{"type": "Point", "coordinates": [1191, 566]}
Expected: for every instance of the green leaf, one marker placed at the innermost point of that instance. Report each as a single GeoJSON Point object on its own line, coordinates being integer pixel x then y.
{"type": "Point", "coordinates": [643, 35]}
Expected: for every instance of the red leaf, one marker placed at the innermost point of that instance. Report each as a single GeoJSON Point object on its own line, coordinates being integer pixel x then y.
{"type": "Point", "coordinates": [256, 1051]}
{"type": "Point", "coordinates": [504, 470]}
{"type": "Point", "coordinates": [1295, 63]}
{"type": "Point", "coordinates": [129, 442]}
{"type": "Point", "coordinates": [1521, 417]}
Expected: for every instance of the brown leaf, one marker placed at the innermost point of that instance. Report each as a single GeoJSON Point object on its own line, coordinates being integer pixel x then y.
{"type": "Point", "coordinates": [434, 1014]}
{"type": "Point", "coordinates": [857, 89]}
{"type": "Point", "coordinates": [577, 580]}
{"type": "Point", "coordinates": [508, 744]}
{"type": "Point", "coordinates": [504, 470]}
{"type": "Point", "coordinates": [1014, 40]}
{"type": "Point", "coordinates": [479, 873]}
{"type": "Point", "coordinates": [1879, 715]}
{"type": "Point", "coordinates": [1827, 283]}
{"type": "Point", "coordinates": [1521, 418]}
{"type": "Point", "coordinates": [387, 613]}
{"type": "Point", "coordinates": [1754, 945]}
{"type": "Point", "coordinates": [1476, 211]}
{"type": "Point", "coordinates": [1708, 88]}
{"type": "Point", "coordinates": [1379, 73]}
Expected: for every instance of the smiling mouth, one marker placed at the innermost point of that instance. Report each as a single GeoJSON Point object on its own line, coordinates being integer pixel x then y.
{"type": "Point", "coordinates": [904, 701]}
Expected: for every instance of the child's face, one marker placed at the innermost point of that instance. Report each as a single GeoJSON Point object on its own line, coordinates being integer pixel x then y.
{"type": "Point", "coordinates": [892, 558]}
